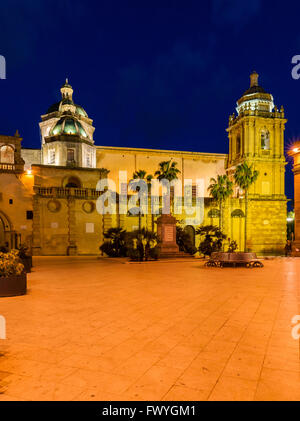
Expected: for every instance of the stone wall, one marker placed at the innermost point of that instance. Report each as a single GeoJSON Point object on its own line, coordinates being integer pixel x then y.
{"type": "Point", "coordinates": [267, 226]}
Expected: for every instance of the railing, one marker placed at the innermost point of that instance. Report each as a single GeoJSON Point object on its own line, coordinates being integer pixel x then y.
{"type": "Point", "coordinates": [7, 167]}
{"type": "Point", "coordinates": [67, 192]}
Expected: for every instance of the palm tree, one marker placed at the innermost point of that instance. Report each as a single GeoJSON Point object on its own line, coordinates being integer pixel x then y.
{"type": "Point", "coordinates": [220, 190]}
{"type": "Point", "coordinates": [167, 170]}
{"type": "Point", "coordinates": [142, 175]}
{"type": "Point", "coordinates": [244, 177]}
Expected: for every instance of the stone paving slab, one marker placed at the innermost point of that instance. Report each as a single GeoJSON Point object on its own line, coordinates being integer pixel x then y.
{"type": "Point", "coordinates": [93, 329]}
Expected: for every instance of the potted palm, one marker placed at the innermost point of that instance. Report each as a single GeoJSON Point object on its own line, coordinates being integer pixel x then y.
{"type": "Point", "coordinates": [13, 278]}
{"type": "Point", "coordinates": [142, 245]}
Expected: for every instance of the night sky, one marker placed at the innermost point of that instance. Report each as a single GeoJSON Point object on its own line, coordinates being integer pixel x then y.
{"type": "Point", "coordinates": [162, 74]}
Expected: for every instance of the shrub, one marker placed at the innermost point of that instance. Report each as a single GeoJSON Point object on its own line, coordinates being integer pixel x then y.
{"type": "Point", "coordinates": [211, 239]}
{"type": "Point", "coordinates": [115, 243]}
{"type": "Point", "coordinates": [23, 251]}
{"type": "Point", "coordinates": [10, 264]}
{"type": "Point", "coordinates": [142, 245]}
{"type": "Point", "coordinates": [154, 253]}
{"type": "Point", "coordinates": [232, 246]}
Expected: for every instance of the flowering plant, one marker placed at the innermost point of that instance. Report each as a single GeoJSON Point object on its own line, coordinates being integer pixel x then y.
{"type": "Point", "coordinates": [10, 264]}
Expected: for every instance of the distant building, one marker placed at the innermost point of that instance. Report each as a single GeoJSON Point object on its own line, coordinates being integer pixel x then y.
{"type": "Point", "coordinates": [48, 195]}
{"type": "Point", "coordinates": [295, 153]}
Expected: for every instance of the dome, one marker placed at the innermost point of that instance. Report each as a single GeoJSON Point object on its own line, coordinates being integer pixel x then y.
{"type": "Point", "coordinates": [67, 101]}
{"type": "Point", "coordinates": [78, 109]}
{"type": "Point", "coordinates": [68, 125]}
{"type": "Point", "coordinates": [255, 90]}
{"type": "Point", "coordinates": [67, 85]}
{"type": "Point", "coordinates": [255, 97]}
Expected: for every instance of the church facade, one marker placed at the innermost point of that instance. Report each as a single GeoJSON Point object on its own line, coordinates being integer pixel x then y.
{"type": "Point", "coordinates": [48, 196]}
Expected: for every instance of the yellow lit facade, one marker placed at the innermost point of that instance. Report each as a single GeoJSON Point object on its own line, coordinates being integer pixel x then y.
{"type": "Point", "coordinates": [56, 184]}
{"type": "Point", "coordinates": [256, 136]}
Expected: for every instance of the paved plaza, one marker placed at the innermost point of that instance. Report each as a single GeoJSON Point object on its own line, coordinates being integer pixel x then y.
{"type": "Point", "coordinates": [100, 329]}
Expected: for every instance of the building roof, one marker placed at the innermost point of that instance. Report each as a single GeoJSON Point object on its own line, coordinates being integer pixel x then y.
{"type": "Point", "coordinates": [68, 125]}
{"type": "Point", "coordinates": [55, 107]}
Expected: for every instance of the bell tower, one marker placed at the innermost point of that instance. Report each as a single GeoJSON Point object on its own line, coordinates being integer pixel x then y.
{"type": "Point", "coordinates": [256, 136]}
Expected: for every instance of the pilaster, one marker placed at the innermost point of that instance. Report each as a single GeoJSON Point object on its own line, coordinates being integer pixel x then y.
{"type": "Point", "coordinates": [36, 227]}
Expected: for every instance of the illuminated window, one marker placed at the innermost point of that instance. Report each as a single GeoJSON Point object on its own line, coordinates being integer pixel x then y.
{"type": "Point", "coordinates": [70, 155]}
{"type": "Point", "coordinates": [52, 156]}
{"type": "Point", "coordinates": [265, 139]}
{"type": "Point", "coordinates": [7, 155]}
{"type": "Point", "coordinates": [88, 159]}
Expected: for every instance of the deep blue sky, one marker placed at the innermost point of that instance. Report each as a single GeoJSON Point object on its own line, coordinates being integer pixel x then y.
{"type": "Point", "coordinates": [159, 74]}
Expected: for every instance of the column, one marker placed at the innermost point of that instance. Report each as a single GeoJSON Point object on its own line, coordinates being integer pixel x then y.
{"type": "Point", "coordinates": [36, 227]}
{"type": "Point", "coordinates": [72, 246]}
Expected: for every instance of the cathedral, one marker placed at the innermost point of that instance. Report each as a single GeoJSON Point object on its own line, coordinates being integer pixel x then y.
{"type": "Point", "coordinates": [48, 196]}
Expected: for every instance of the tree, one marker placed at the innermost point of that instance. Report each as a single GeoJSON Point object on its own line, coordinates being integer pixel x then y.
{"type": "Point", "coordinates": [220, 190]}
{"type": "Point", "coordinates": [167, 170]}
{"type": "Point", "coordinates": [244, 177]}
{"type": "Point", "coordinates": [142, 175]}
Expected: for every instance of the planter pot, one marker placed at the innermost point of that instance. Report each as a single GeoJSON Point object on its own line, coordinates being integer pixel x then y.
{"type": "Point", "coordinates": [13, 285]}
{"type": "Point", "coordinates": [27, 262]}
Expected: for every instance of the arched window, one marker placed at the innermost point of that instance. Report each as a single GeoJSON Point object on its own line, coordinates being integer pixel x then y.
{"type": "Point", "coordinates": [7, 155]}
{"type": "Point", "coordinates": [73, 182]}
{"type": "Point", "coordinates": [214, 213]}
{"type": "Point", "coordinates": [237, 213]}
{"type": "Point", "coordinates": [265, 139]}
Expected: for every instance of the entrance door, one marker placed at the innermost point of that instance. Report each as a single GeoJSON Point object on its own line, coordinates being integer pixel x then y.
{"type": "Point", "coordinates": [190, 230]}
{"type": "Point", "coordinates": [5, 232]}
{"type": "Point", "coordinates": [238, 228]}
{"type": "Point", "coordinates": [2, 234]}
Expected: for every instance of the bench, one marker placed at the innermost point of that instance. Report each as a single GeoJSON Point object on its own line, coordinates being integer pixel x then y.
{"type": "Point", "coordinates": [222, 259]}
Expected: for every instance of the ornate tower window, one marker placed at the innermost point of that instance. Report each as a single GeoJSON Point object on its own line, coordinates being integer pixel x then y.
{"type": "Point", "coordinates": [51, 158]}
{"type": "Point", "coordinates": [265, 139]}
{"type": "Point", "coordinates": [70, 155]}
{"type": "Point", "coordinates": [7, 154]}
{"type": "Point", "coordinates": [88, 159]}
